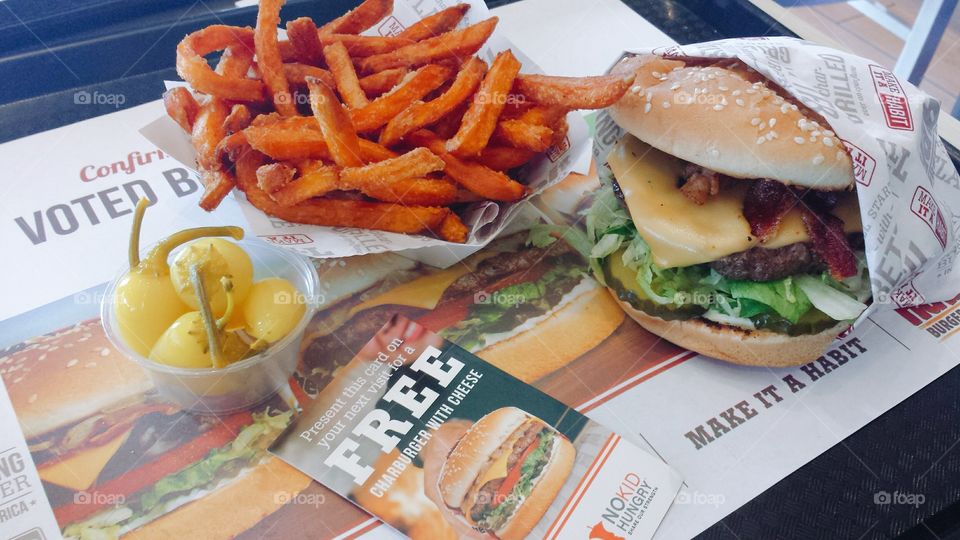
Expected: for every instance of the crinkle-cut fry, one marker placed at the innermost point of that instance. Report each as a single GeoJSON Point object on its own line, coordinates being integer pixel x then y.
{"type": "Point", "coordinates": [454, 44]}
{"type": "Point", "coordinates": [436, 24]}
{"type": "Point", "coordinates": [414, 87]}
{"type": "Point", "coordinates": [480, 121]}
{"type": "Point", "coordinates": [415, 163]}
{"type": "Point", "coordinates": [273, 176]}
{"type": "Point", "coordinates": [344, 75]}
{"type": "Point", "coordinates": [302, 34]}
{"type": "Point", "coordinates": [315, 182]}
{"type": "Point", "coordinates": [520, 134]}
{"type": "Point", "coordinates": [238, 119]}
{"type": "Point", "coordinates": [338, 212]}
{"type": "Point", "coordinates": [297, 74]}
{"type": "Point", "coordinates": [453, 230]}
{"type": "Point", "coordinates": [216, 186]}
{"type": "Point", "coordinates": [335, 124]}
{"type": "Point", "coordinates": [181, 107]}
{"type": "Point", "coordinates": [193, 67]}
{"type": "Point", "coordinates": [420, 114]}
{"type": "Point", "coordinates": [364, 46]}
{"type": "Point", "coordinates": [382, 82]}
{"type": "Point", "coordinates": [478, 178]}
{"type": "Point", "coordinates": [504, 158]}
{"type": "Point", "coordinates": [574, 92]}
{"type": "Point", "coordinates": [364, 16]}
{"type": "Point", "coordinates": [269, 60]}
{"type": "Point", "coordinates": [411, 191]}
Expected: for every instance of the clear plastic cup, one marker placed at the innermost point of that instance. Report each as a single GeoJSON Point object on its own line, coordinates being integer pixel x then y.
{"type": "Point", "coordinates": [245, 383]}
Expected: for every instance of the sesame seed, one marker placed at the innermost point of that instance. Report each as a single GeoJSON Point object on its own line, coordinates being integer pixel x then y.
{"type": "Point", "coordinates": [656, 74]}
{"type": "Point", "coordinates": [740, 102]}
{"type": "Point", "coordinates": [798, 140]}
{"type": "Point", "coordinates": [723, 88]}
{"type": "Point", "coordinates": [637, 89]}
{"type": "Point", "coordinates": [784, 108]}
{"type": "Point", "coordinates": [794, 107]}
{"type": "Point", "coordinates": [813, 139]}
{"type": "Point", "coordinates": [718, 107]}
{"type": "Point", "coordinates": [712, 76]}
{"type": "Point", "coordinates": [104, 352]}
{"type": "Point", "coordinates": [770, 135]}
{"type": "Point", "coordinates": [762, 126]}
{"type": "Point", "coordinates": [828, 141]}
{"type": "Point", "coordinates": [840, 155]}
{"type": "Point", "coordinates": [778, 100]}
{"type": "Point", "coordinates": [646, 108]}
{"type": "Point", "coordinates": [817, 159]}
{"type": "Point", "coordinates": [73, 362]}
{"type": "Point", "coordinates": [751, 91]}
{"type": "Point", "coordinates": [736, 93]}
{"type": "Point", "coordinates": [666, 104]}
{"type": "Point", "coordinates": [649, 96]}
{"type": "Point", "coordinates": [816, 133]}
{"type": "Point", "coordinates": [674, 86]}
{"type": "Point", "coordinates": [772, 122]}
{"type": "Point", "coordinates": [828, 133]}
{"type": "Point", "coordinates": [761, 140]}
{"type": "Point", "coordinates": [754, 122]}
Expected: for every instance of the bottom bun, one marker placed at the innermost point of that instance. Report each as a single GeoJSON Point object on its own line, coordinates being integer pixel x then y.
{"type": "Point", "coordinates": [231, 510]}
{"type": "Point", "coordinates": [565, 335]}
{"type": "Point", "coordinates": [738, 345]}
{"type": "Point", "coordinates": [532, 509]}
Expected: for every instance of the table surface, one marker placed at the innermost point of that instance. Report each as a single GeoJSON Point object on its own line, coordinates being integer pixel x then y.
{"type": "Point", "coordinates": [914, 448]}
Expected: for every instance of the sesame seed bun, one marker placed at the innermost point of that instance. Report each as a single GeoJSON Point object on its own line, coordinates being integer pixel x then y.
{"type": "Point", "coordinates": [730, 120]}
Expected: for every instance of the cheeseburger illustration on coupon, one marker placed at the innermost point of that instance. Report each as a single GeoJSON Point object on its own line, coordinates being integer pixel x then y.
{"type": "Point", "coordinates": [439, 444]}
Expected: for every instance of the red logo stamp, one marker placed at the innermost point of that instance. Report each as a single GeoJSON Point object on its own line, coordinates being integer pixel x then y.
{"type": "Point", "coordinates": [863, 164]}
{"type": "Point", "coordinates": [925, 207]}
{"type": "Point", "coordinates": [907, 295]}
{"type": "Point", "coordinates": [288, 239]}
{"type": "Point", "coordinates": [896, 108]}
{"type": "Point", "coordinates": [555, 152]}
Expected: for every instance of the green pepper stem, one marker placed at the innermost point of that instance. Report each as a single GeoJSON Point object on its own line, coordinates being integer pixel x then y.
{"type": "Point", "coordinates": [133, 251]}
{"type": "Point", "coordinates": [209, 323]}
{"type": "Point", "coordinates": [227, 285]}
{"type": "Point", "coordinates": [157, 258]}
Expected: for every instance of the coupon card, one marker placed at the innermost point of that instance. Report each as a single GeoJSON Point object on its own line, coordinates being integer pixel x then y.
{"type": "Point", "coordinates": [438, 443]}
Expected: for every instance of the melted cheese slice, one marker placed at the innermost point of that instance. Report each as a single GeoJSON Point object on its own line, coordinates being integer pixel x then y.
{"type": "Point", "coordinates": [682, 233]}
{"type": "Point", "coordinates": [80, 471]}
{"type": "Point", "coordinates": [423, 292]}
{"type": "Point", "coordinates": [497, 469]}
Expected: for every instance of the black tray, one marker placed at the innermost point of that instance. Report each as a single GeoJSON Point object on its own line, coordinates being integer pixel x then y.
{"type": "Point", "coordinates": [52, 49]}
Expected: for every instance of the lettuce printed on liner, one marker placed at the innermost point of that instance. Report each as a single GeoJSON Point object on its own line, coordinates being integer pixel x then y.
{"type": "Point", "coordinates": [737, 302]}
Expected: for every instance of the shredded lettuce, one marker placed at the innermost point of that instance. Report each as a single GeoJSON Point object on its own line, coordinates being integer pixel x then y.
{"type": "Point", "coordinates": [529, 472]}
{"type": "Point", "coordinates": [738, 302]}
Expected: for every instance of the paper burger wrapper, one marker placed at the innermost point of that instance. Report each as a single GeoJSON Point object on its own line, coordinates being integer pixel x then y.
{"type": "Point", "coordinates": [908, 188]}
{"type": "Point", "coordinates": [486, 220]}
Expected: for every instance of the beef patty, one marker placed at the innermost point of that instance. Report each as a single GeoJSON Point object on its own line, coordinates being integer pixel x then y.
{"type": "Point", "coordinates": [765, 264]}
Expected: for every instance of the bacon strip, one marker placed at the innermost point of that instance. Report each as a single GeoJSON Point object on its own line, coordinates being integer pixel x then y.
{"type": "Point", "coordinates": [765, 205]}
{"type": "Point", "coordinates": [830, 243]}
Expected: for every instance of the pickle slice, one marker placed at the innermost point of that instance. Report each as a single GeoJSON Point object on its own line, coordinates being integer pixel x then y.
{"type": "Point", "coordinates": [623, 281]}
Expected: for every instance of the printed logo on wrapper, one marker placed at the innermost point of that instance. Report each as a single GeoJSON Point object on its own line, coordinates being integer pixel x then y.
{"type": "Point", "coordinates": [907, 295]}
{"type": "Point", "coordinates": [864, 165]}
{"type": "Point", "coordinates": [926, 208]}
{"type": "Point", "coordinates": [390, 26]}
{"type": "Point", "coordinates": [896, 108]}
{"type": "Point", "coordinates": [295, 239]}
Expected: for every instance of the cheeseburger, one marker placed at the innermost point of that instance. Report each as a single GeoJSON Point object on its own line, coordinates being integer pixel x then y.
{"type": "Point", "coordinates": [505, 472]}
{"type": "Point", "coordinates": [728, 223]}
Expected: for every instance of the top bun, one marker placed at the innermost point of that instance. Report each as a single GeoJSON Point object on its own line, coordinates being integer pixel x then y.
{"type": "Point", "coordinates": [63, 377]}
{"type": "Point", "coordinates": [728, 119]}
{"type": "Point", "coordinates": [475, 450]}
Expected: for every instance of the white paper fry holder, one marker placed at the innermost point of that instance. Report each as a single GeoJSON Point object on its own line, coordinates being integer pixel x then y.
{"type": "Point", "coordinates": [908, 189]}
{"type": "Point", "coordinates": [485, 219]}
